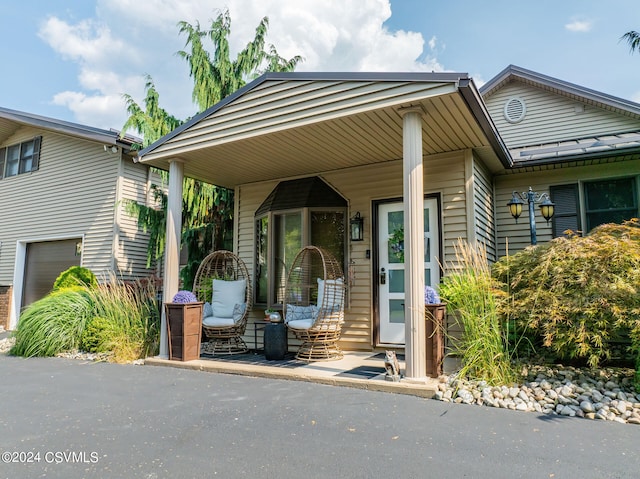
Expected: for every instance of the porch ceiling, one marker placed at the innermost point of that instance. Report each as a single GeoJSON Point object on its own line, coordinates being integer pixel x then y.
{"type": "Point", "coordinates": [250, 140]}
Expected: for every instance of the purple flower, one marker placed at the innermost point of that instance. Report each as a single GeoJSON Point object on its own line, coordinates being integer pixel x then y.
{"type": "Point", "coordinates": [185, 297]}
{"type": "Point", "coordinates": [431, 296]}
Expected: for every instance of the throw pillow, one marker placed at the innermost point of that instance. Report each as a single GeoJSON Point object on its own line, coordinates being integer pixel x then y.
{"type": "Point", "coordinates": [334, 290]}
{"type": "Point", "coordinates": [226, 294]}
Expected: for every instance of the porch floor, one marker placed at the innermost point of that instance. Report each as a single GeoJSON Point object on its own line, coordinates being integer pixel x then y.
{"type": "Point", "coordinates": [362, 370]}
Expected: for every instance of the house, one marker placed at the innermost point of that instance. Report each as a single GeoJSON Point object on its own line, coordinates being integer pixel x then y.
{"type": "Point", "coordinates": [306, 152]}
{"type": "Point", "coordinates": [580, 146]}
{"type": "Point", "coordinates": [62, 187]}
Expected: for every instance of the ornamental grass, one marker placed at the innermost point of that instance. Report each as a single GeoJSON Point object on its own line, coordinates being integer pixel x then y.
{"type": "Point", "coordinates": [54, 323]}
{"type": "Point", "coordinates": [472, 295]}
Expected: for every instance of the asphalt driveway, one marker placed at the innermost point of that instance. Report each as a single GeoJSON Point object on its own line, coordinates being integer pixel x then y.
{"type": "Point", "coordinates": [72, 419]}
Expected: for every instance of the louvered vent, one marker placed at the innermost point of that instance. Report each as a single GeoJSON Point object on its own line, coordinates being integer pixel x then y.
{"type": "Point", "coordinates": [514, 110]}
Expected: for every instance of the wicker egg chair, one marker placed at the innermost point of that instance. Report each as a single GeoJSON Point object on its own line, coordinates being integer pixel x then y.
{"type": "Point", "coordinates": [223, 283]}
{"type": "Point", "coordinates": [314, 304]}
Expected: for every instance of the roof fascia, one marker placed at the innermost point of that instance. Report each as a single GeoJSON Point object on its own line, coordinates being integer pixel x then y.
{"type": "Point", "coordinates": [577, 157]}
{"type": "Point", "coordinates": [472, 97]}
{"type": "Point", "coordinates": [516, 72]}
{"type": "Point", "coordinates": [65, 127]}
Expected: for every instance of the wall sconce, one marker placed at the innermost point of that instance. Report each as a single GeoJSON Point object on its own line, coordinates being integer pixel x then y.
{"type": "Point", "coordinates": [357, 227]}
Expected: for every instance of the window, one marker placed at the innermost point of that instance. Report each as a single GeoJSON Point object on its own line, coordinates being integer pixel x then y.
{"type": "Point", "coordinates": [611, 201]}
{"type": "Point", "coordinates": [296, 213]}
{"type": "Point", "coordinates": [606, 201]}
{"type": "Point", "coordinates": [20, 158]}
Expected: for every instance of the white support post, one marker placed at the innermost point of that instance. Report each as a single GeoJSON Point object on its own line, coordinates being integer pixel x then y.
{"type": "Point", "coordinates": [413, 190]}
{"type": "Point", "coordinates": [172, 245]}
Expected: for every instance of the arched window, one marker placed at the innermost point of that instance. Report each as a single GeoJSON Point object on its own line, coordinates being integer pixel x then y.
{"type": "Point", "coordinates": [296, 213]}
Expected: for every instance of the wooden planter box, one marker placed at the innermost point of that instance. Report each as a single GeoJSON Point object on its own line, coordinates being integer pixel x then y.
{"type": "Point", "coordinates": [184, 330]}
{"type": "Point", "coordinates": [434, 316]}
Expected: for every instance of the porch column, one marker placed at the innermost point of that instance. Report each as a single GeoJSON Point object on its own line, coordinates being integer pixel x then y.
{"type": "Point", "coordinates": [172, 245]}
{"type": "Point", "coordinates": [413, 192]}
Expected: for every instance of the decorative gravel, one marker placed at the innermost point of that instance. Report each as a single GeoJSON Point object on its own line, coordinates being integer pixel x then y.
{"type": "Point", "coordinates": [605, 394]}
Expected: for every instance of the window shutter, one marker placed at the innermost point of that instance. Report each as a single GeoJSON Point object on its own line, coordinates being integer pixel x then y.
{"type": "Point", "coordinates": [35, 162]}
{"type": "Point", "coordinates": [3, 154]}
{"type": "Point", "coordinates": [567, 209]}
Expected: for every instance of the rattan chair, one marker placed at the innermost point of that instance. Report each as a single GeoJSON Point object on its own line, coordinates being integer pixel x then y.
{"type": "Point", "coordinates": [314, 304]}
{"type": "Point", "coordinates": [223, 283]}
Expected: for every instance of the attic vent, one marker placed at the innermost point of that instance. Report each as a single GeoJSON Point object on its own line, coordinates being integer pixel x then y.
{"type": "Point", "coordinates": [514, 110]}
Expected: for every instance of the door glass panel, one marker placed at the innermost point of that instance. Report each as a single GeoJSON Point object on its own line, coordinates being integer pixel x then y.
{"type": "Point", "coordinates": [395, 224]}
{"type": "Point", "coordinates": [396, 311]}
{"type": "Point", "coordinates": [396, 281]}
{"type": "Point", "coordinates": [426, 220]}
{"type": "Point", "coordinates": [427, 277]}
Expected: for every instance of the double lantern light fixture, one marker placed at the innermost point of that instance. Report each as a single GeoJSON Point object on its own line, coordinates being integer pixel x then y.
{"type": "Point", "coordinates": [547, 208]}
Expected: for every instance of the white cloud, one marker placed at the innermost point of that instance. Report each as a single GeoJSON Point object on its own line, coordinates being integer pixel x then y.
{"type": "Point", "coordinates": [113, 54]}
{"type": "Point", "coordinates": [581, 26]}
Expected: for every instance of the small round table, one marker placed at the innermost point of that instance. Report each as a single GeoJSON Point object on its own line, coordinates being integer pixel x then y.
{"type": "Point", "coordinates": [275, 341]}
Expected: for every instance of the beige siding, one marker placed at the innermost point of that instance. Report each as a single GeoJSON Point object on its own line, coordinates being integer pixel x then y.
{"type": "Point", "coordinates": [484, 214]}
{"type": "Point", "coordinates": [550, 117]}
{"type": "Point", "coordinates": [443, 174]}
{"type": "Point", "coordinates": [283, 105]}
{"type": "Point", "coordinates": [517, 235]}
{"type": "Point", "coordinates": [131, 251]}
{"type": "Point", "coordinates": [71, 195]}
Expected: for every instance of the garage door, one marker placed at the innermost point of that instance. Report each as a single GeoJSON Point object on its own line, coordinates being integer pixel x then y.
{"type": "Point", "coordinates": [44, 262]}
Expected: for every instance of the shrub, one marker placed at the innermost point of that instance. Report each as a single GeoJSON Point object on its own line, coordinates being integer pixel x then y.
{"type": "Point", "coordinates": [75, 276]}
{"type": "Point", "coordinates": [53, 324]}
{"type": "Point", "coordinates": [472, 294]}
{"type": "Point", "coordinates": [579, 293]}
{"type": "Point", "coordinates": [98, 335]}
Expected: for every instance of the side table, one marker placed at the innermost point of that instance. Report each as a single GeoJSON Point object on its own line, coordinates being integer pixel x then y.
{"type": "Point", "coordinates": [275, 341]}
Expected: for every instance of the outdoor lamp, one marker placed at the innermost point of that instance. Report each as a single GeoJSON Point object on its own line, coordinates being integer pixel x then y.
{"type": "Point", "coordinates": [357, 227]}
{"type": "Point", "coordinates": [547, 209]}
{"type": "Point", "coordinates": [515, 206]}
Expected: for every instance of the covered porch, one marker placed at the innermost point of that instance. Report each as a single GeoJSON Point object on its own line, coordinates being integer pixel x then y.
{"type": "Point", "coordinates": [375, 139]}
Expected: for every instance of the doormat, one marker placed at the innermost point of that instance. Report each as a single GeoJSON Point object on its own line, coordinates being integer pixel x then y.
{"type": "Point", "coordinates": [366, 372]}
{"type": "Point", "coordinates": [289, 360]}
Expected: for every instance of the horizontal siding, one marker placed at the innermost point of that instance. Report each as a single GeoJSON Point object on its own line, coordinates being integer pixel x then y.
{"type": "Point", "coordinates": [484, 209]}
{"type": "Point", "coordinates": [279, 106]}
{"type": "Point", "coordinates": [443, 174]}
{"type": "Point", "coordinates": [72, 194]}
{"type": "Point", "coordinates": [518, 235]}
{"type": "Point", "coordinates": [131, 253]}
{"type": "Point", "coordinates": [550, 118]}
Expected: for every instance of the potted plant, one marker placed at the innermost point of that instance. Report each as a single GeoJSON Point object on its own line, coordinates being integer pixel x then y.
{"type": "Point", "coordinates": [184, 326]}
{"type": "Point", "coordinates": [272, 315]}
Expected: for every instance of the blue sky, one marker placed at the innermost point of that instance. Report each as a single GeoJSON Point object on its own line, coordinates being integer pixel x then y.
{"type": "Point", "coordinates": [73, 59]}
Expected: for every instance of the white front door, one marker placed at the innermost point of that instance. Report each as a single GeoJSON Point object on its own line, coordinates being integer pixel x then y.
{"type": "Point", "coordinates": [391, 265]}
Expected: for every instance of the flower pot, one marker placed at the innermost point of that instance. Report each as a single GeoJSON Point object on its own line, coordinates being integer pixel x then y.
{"type": "Point", "coordinates": [435, 315]}
{"type": "Point", "coordinates": [184, 330]}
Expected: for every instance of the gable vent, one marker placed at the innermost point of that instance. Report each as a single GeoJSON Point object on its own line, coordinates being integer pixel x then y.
{"type": "Point", "coordinates": [515, 110]}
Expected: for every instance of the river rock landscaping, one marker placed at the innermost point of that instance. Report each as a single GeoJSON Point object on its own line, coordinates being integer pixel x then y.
{"type": "Point", "coordinates": [603, 394]}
